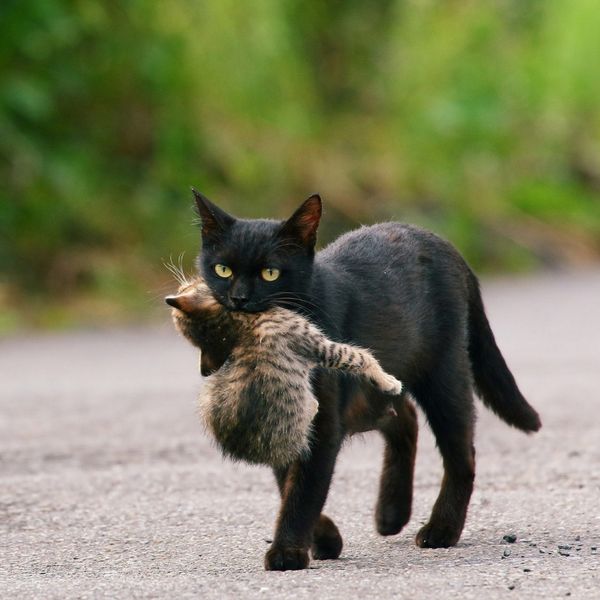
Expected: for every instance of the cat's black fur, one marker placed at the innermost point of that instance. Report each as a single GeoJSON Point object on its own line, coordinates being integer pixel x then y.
{"type": "Point", "coordinates": [408, 296]}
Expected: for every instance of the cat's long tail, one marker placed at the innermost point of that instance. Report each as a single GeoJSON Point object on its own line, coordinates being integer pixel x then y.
{"type": "Point", "coordinates": [494, 382]}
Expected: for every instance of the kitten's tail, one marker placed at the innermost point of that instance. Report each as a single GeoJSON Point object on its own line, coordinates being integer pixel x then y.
{"type": "Point", "coordinates": [494, 382]}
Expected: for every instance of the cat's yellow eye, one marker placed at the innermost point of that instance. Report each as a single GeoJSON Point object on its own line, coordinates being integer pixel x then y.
{"type": "Point", "coordinates": [270, 274]}
{"type": "Point", "coordinates": [223, 271]}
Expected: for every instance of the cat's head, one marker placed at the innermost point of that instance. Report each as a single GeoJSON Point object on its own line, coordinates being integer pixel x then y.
{"type": "Point", "coordinates": [251, 265]}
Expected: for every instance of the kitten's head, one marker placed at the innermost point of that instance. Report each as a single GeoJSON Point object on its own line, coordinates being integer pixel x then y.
{"type": "Point", "coordinates": [204, 322]}
{"type": "Point", "coordinates": [193, 300]}
{"type": "Point", "coordinates": [251, 265]}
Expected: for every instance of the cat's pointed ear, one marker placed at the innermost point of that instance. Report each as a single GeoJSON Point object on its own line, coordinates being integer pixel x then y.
{"type": "Point", "coordinates": [303, 224]}
{"type": "Point", "coordinates": [214, 220]}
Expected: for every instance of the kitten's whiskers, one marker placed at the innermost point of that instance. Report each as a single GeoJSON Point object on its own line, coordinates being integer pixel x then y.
{"type": "Point", "coordinates": [177, 270]}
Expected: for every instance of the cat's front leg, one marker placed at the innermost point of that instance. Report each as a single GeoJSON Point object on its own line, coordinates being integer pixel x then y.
{"type": "Point", "coordinates": [327, 543]}
{"type": "Point", "coordinates": [305, 485]}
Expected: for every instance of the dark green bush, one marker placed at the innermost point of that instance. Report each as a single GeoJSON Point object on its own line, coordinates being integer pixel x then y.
{"type": "Point", "coordinates": [480, 120]}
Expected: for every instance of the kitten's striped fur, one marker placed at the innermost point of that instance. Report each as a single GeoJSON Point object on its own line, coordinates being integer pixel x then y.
{"type": "Point", "coordinates": [259, 404]}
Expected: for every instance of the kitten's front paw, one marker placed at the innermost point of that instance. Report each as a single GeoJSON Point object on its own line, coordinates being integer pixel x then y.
{"type": "Point", "coordinates": [282, 558]}
{"type": "Point", "coordinates": [390, 385]}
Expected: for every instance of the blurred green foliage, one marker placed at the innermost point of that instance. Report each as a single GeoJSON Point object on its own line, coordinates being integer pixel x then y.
{"type": "Point", "coordinates": [480, 120]}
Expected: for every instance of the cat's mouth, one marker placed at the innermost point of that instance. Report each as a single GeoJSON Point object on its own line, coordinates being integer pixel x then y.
{"type": "Point", "coordinates": [247, 307]}
{"type": "Point", "coordinates": [237, 305]}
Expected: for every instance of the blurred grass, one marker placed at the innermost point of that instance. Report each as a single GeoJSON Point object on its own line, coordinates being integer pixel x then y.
{"type": "Point", "coordinates": [478, 120]}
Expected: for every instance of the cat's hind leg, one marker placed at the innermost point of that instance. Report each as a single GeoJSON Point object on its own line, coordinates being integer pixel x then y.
{"type": "Point", "coordinates": [394, 502]}
{"type": "Point", "coordinates": [448, 403]}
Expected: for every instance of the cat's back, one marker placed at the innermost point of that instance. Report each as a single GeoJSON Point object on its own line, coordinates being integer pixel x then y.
{"type": "Point", "coordinates": [395, 255]}
{"type": "Point", "coordinates": [392, 284]}
{"type": "Point", "coordinates": [389, 243]}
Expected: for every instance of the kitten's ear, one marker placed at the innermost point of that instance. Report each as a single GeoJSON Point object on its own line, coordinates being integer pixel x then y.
{"type": "Point", "coordinates": [303, 224]}
{"type": "Point", "coordinates": [214, 220]}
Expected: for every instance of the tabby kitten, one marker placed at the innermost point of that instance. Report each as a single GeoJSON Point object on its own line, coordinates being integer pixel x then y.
{"type": "Point", "coordinates": [259, 405]}
{"type": "Point", "coordinates": [411, 298]}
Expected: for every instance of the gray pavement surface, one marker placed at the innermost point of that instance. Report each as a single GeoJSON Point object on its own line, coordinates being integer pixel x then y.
{"type": "Point", "coordinates": [110, 489]}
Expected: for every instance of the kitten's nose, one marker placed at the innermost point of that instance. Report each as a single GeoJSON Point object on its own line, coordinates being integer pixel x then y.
{"type": "Point", "coordinates": [173, 301]}
{"type": "Point", "coordinates": [184, 302]}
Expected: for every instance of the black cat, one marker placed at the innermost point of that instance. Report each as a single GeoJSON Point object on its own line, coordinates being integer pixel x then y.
{"type": "Point", "coordinates": [410, 297]}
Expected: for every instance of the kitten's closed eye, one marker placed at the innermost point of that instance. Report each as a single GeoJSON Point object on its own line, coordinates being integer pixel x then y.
{"type": "Point", "coordinates": [209, 364]}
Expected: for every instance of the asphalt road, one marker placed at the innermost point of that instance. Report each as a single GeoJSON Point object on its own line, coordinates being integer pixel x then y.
{"type": "Point", "coordinates": [110, 489]}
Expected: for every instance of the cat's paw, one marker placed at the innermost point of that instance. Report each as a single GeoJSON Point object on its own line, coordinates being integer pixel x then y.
{"type": "Point", "coordinates": [390, 385]}
{"type": "Point", "coordinates": [327, 541]}
{"type": "Point", "coordinates": [437, 536]}
{"type": "Point", "coordinates": [286, 558]}
{"type": "Point", "coordinates": [391, 518]}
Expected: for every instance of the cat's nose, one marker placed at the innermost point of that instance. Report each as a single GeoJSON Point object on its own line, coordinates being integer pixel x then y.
{"type": "Point", "coordinates": [239, 300]}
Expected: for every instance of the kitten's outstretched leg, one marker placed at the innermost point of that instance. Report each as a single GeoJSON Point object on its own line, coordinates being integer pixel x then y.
{"type": "Point", "coordinates": [359, 361]}
{"type": "Point", "coordinates": [305, 488]}
{"type": "Point", "coordinates": [396, 483]}
{"type": "Point", "coordinates": [313, 344]}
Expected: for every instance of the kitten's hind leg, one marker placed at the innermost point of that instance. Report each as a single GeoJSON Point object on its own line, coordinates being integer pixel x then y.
{"type": "Point", "coordinates": [394, 502]}
{"type": "Point", "coordinates": [360, 362]}
{"type": "Point", "coordinates": [449, 408]}
{"type": "Point", "coordinates": [322, 351]}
